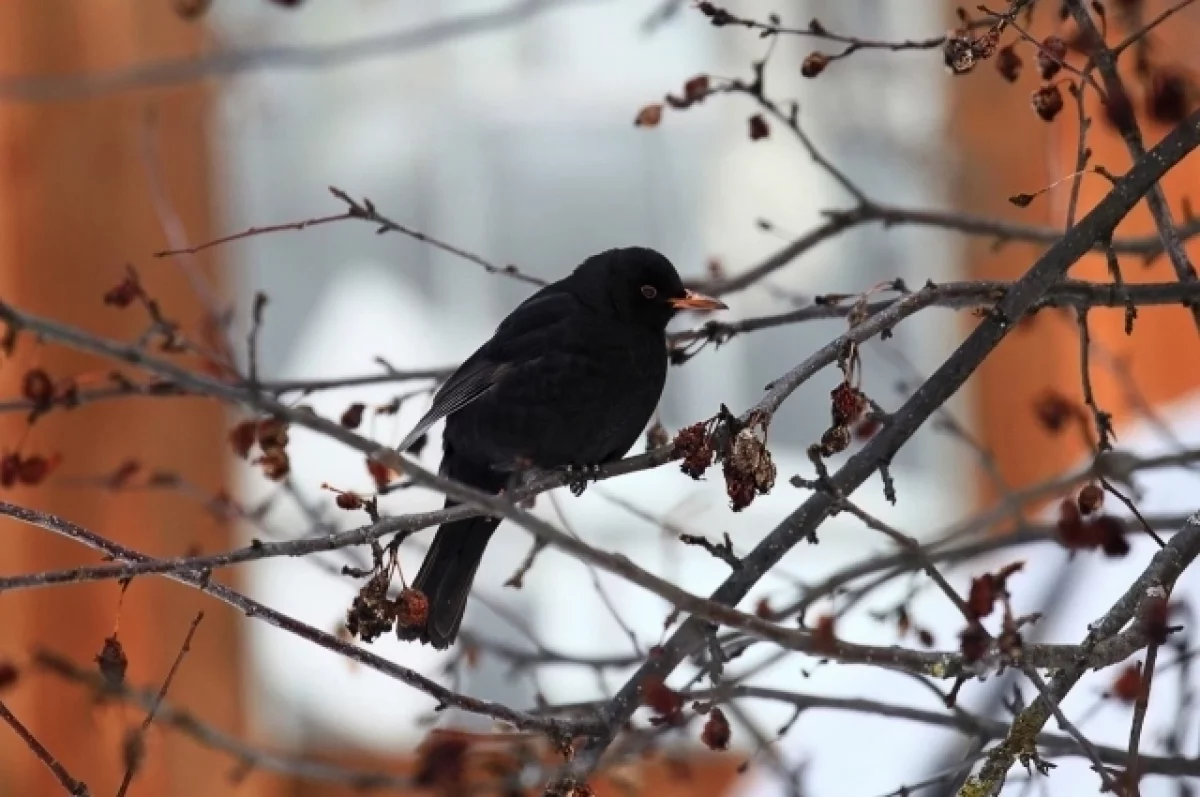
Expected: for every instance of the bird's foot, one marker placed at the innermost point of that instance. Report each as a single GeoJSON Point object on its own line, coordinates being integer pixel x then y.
{"type": "Point", "coordinates": [579, 476]}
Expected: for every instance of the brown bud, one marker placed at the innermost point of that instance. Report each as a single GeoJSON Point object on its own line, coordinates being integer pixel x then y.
{"type": "Point", "coordinates": [696, 88]}
{"type": "Point", "coordinates": [352, 417]}
{"type": "Point", "coordinates": [649, 116]}
{"type": "Point", "coordinates": [814, 64]}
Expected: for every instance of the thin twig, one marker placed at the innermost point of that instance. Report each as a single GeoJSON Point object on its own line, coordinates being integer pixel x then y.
{"type": "Point", "coordinates": [74, 787]}
{"type": "Point", "coordinates": [135, 743]}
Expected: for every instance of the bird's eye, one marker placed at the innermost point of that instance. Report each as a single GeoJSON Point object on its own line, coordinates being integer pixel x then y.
{"type": "Point", "coordinates": [649, 291]}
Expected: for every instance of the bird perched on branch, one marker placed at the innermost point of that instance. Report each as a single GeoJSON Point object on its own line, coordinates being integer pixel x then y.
{"type": "Point", "coordinates": [570, 378]}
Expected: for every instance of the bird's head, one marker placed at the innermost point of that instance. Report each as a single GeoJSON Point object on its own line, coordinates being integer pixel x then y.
{"type": "Point", "coordinates": [639, 285]}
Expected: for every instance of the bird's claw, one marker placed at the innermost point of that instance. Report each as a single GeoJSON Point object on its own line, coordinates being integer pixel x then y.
{"type": "Point", "coordinates": [578, 477]}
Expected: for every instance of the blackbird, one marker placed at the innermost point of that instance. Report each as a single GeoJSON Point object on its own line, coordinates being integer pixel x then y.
{"type": "Point", "coordinates": [570, 379]}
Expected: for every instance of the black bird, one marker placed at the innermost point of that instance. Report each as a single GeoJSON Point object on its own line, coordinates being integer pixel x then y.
{"type": "Point", "coordinates": [569, 379]}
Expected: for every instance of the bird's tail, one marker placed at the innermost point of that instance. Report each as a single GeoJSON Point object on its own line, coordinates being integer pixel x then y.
{"type": "Point", "coordinates": [446, 575]}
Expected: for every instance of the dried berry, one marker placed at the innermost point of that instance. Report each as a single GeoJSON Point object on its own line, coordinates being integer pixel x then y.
{"type": "Point", "coordinates": [411, 608]}
{"type": "Point", "coordinates": [666, 702]}
{"type": "Point", "coordinates": [38, 388]}
{"type": "Point", "coordinates": [1009, 63]}
{"type": "Point", "coordinates": [739, 487]}
{"type": "Point", "coordinates": [716, 733]}
{"type": "Point", "coordinates": [123, 294]}
{"type": "Point", "coordinates": [1071, 530]}
{"type": "Point", "coordinates": [272, 434]}
{"type": "Point", "coordinates": [693, 444]}
{"type": "Point", "coordinates": [352, 417]}
{"type": "Point", "coordinates": [762, 609]}
{"type": "Point", "coordinates": [973, 643]}
{"type": "Point", "coordinates": [112, 662]}
{"type": "Point", "coordinates": [749, 456]}
{"type": "Point", "coordinates": [759, 129]}
{"type": "Point", "coordinates": [34, 469]}
{"type": "Point", "coordinates": [1047, 101]}
{"type": "Point", "coordinates": [10, 468]}
{"type": "Point", "coordinates": [1128, 685]}
{"type": "Point", "coordinates": [848, 404]}
{"type": "Point", "coordinates": [1109, 534]}
{"type": "Point", "coordinates": [835, 440]}
{"type": "Point", "coordinates": [349, 501]}
{"type": "Point", "coordinates": [982, 597]}
{"type": "Point", "coordinates": [1050, 56]}
{"type": "Point", "coordinates": [371, 614]}
{"type": "Point", "coordinates": [959, 53]}
{"type": "Point", "coordinates": [1090, 498]}
{"type": "Point", "coordinates": [241, 438]}
{"type": "Point", "coordinates": [925, 637]}
{"type": "Point", "coordinates": [814, 64]}
{"type": "Point", "coordinates": [276, 465]}
{"type": "Point", "coordinates": [380, 473]}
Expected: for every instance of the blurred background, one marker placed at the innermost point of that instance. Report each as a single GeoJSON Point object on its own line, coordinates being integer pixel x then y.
{"type": "Point", "coordinates": [506, 130]}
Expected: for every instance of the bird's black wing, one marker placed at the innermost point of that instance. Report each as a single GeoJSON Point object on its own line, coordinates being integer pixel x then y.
{"type": "Point", "coordinates": [520, 339]}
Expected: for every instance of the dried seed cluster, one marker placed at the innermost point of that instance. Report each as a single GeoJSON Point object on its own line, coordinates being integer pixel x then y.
{"type": "Point", "coordinates": [848, 405]}
{"type": "Point", "coordinates": [741, 448]}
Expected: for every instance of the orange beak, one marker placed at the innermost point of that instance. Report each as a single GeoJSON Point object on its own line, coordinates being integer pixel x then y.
{"type": "Point", "coordinates": [697, 301]}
